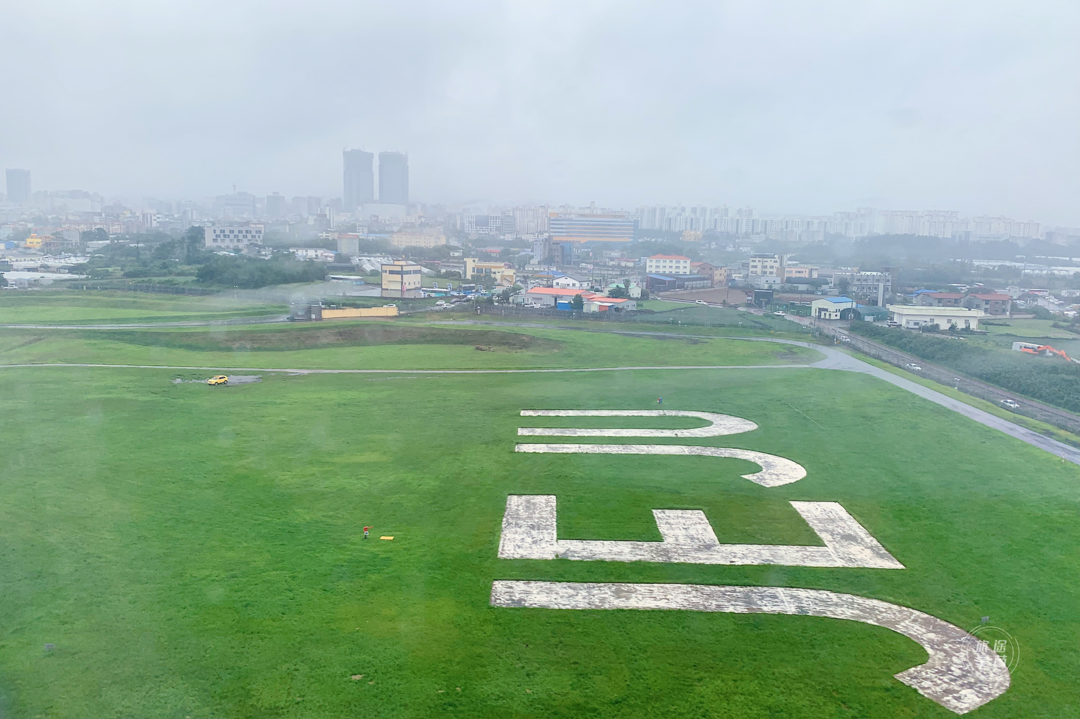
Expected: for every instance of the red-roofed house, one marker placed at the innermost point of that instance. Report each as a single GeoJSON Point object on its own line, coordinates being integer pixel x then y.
{"type": "Point", "coordinates": [552, 296]}
{"type": "Point", "coordinates": [600, 303]}
{"type": "Point", "coordinates": [993, 303]}
{"type": "Point", "coordinates": [560, 297]}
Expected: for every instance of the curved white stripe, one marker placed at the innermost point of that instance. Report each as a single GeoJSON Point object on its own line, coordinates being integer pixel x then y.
{"type": "Point", "coordinates": [719, 424]}
{"type": "Point", "coordinates": [775, 471]}
{"type": "Point", "coordinates": [961, 674]}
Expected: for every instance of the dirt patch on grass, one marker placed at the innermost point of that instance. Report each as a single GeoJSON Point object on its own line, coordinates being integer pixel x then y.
{"type": "Point", "coordinates": [289, 338]}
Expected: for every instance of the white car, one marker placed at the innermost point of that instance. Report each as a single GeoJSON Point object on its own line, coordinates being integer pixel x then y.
{"type": "Point", "coordinates": [1010, 404]}
{"type": "Point", "coordinates": [913, 366]}
{"type": "Point", "coordinates": [701, 302]}
{"type": "Point", "coordinates": [778, 313]}
{"type": "Point", "coordinates": [440, 303]}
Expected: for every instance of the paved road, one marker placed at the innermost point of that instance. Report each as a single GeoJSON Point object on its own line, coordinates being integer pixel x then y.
{"type": "Point", "coordinates": [834, 360]}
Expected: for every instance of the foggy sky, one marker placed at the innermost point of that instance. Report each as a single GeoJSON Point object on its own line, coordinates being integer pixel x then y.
{"type": "Point", "coordinates": [786, 106]}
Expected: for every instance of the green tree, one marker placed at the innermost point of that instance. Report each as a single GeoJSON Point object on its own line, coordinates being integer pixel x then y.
{"type": "Point", "coordinates": [194, 240]}
{"type": "Point", "coordinates": [844, 285]}
{"type": "Point", "coordinates": [577, 304]}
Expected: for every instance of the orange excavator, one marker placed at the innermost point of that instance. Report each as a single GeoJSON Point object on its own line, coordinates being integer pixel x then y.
{"type": "Point", "coordinates": [1046, 351]}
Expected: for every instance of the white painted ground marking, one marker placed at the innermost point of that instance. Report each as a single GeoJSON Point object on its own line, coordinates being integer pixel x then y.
{"type": "Point", "coordinates": [529, 532]}
{"type": "Point", "coordinates": [720, 424]}
{"type": "Point", "coordinates": [775, 471]}
{"type": "Point", "coordinates": [960, 675]}
{"type": "Point", "coordinates": [528, 527]}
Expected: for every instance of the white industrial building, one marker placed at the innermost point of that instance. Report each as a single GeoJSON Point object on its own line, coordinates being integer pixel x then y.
{"type": "Point", "coordinates": [913, 317]}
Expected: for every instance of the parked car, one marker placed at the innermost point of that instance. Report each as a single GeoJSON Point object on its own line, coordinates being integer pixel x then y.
{"type": "Point", "coordinates": [844, 338]}
{"type": "Point", "coordinates": [217, 380]}
{"type": "Point", "coordinates": [913, 366]}
{"type": "Point", "coordinates": [778, 313]}
{"type": "Point", "coordinates": [701, 302]}
{"type": "Point", "coordinates": [389, 305]}
{"type": "Point", "coordinates": [440, 303]}
{"type": "Point", "coordinates": [1010, 404]}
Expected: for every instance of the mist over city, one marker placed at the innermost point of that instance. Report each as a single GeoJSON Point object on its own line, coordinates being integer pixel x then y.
{"type": "Point", "coordinates": [788, 107]}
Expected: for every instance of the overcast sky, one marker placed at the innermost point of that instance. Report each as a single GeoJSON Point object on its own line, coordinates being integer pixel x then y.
{"type": "Point", "coordinates": [801, 107]}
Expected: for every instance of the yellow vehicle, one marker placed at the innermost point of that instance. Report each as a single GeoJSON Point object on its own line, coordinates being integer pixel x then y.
{"type": "Point", "coordinates": [217, 379]}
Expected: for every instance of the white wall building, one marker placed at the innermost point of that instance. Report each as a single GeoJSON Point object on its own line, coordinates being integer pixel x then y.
{"type": "Point", "coordinates": [668, 265]}
{"type": "Point", "coordinates": [231, 236]}
{"type": "Point", "coordinates": [913, 317]}
{"type": "Point", "coordinates": [566, 282]}
{"type": "Point", "coordinates": [766, 266]}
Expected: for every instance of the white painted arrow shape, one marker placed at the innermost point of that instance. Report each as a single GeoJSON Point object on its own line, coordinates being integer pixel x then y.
{"type": "Point", "coordinates": [719, 424]}
{"type": "Point", "coordinates": [775, 471]}
{"type": "Point", "coordinates": [961, 674]}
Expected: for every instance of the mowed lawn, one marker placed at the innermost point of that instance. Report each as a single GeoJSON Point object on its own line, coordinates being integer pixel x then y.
{"type": "Point", "coordinates": [72, 307]}
{"type": "Point", "coordinates": [197, 552]}
{"type": "Point", "coordinates": [384, 345]}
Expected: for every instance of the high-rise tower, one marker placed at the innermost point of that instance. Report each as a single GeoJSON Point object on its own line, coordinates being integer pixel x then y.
{"type": "Point", "coordinates": [393, 178]}
{"type": "Point", "coordinates": [359, 179]}
{"type": "Point", "coordinates": [18, 185]}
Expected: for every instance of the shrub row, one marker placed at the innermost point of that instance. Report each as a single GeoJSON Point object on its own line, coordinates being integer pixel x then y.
{"type": "Point", "coordinates": [1047, 379]}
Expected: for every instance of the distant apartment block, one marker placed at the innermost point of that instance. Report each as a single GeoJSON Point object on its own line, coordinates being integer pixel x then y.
{"type": "Point", "coordinates": [485, 224]}
{"type": "Point", "coordinates": [233, 236]}
{"type": "Point", "coordinates": [241, 204]}
{"type": "Point", "coordinates": [434, 238]}
{"type": "Point", "coordinates": [393, 178]}
{"type": "Point", "coordinates": [359, 179]}
{"type": "Point", "coordinates": [18, 186]}
{"type": "Point", "coordinates": [275, 206]}
{"type": "Point", "coordinates": [668, 265]}
{"type": "Point", "coordinates": [573, 227]}
{"type": "Point", "coordinates": [766, 266]}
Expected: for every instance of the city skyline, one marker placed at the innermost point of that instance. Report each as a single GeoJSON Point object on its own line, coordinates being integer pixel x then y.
{"type": "Point", "coordinates": [358, 202]}
{"type": "Point", "coordinates": [961, 106]}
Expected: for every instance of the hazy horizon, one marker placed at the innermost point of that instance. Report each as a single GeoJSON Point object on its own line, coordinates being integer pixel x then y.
{"type": "Point", "coordinates": [785, 107]}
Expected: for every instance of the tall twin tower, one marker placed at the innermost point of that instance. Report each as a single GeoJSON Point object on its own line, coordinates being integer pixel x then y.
{"type": "Point", "coordinates": [360, 178]}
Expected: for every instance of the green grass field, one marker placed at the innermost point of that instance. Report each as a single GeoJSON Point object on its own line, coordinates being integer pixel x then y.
{"type": "Point", "coordinates": [1029, 328]}
{"type": "Point", "coordinates": [71, 307]}
{"type": "Point", "coordinates": [197, 552]}
{"type": "Point", "coordinates": [383, 345]}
